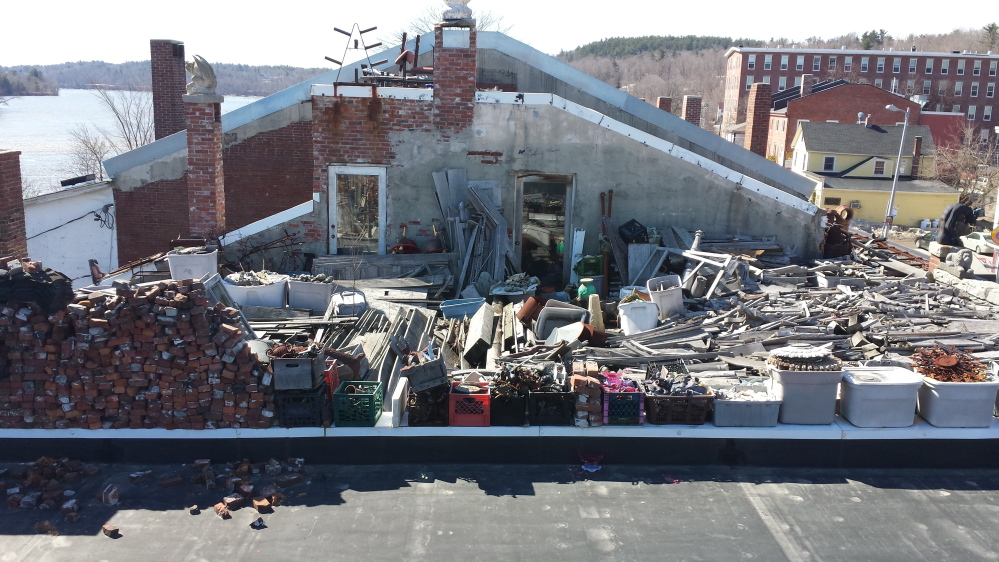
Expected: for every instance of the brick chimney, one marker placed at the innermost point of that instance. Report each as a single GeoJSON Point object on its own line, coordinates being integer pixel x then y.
{"type": "Point", "coordinates": [665, 104]}
{"type": "Point", "coordinates": [758, 119]}
{"type": "Point", "coordinates": [692, 109]}
{"type": "Point", "coordinates": [806, 85]}
{"type": "Point", "coordinates": [917, 155]}
{"type": "Point", "coordinates": [13, 240]}
{"type": "Point", "coordinates": [205, 181]}
{"type": "Point", "coordinates": [166, 60]}
{"type": "Point", "coordinates": [455, 68]}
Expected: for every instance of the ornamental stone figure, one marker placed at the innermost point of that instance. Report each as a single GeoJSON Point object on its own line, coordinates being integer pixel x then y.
{"type": "Point", "coordinates": [203, 80]}
{"type": "Point", "coordinates": [459, 10]}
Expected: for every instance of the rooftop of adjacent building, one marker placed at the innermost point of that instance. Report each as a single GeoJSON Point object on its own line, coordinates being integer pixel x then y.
{"type": "Point", "coordinates": [843, 50]}
{"type": "Point", "coordinates": [868, 140]}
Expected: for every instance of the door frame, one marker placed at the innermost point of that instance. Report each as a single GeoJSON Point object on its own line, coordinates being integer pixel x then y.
{"type": "Point", "coordinates": [356, 170]}
{"type": "Point", "coordinates": [518, 216]}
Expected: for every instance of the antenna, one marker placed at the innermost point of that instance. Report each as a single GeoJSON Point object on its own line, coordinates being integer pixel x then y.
{"type": "Point", "coordinates": [358, 45]}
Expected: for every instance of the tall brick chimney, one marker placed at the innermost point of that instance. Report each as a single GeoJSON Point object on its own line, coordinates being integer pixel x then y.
{"type": "Point", "coordinates": [692, 109]}
{"type": "Point", "coordinates": [806, 85]}
{"type": "Point", "coordinates": [665, 104]}
{"type": "Point", "coordinates": [455, 68]}
{"type": "Point", "coordinates": [166, 60]}
{"type": "Point", "coordinates": [917, 155]}
{"type": "Point", "coordinates": [758, 119]}
{"type": "Point", "coordinates": [205, 181]}
{"type": "Point", "coordinates": [13, 240]}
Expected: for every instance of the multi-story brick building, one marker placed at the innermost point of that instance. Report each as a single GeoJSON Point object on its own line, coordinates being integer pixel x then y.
{"type": "Point", "coordinates": [954, 82]}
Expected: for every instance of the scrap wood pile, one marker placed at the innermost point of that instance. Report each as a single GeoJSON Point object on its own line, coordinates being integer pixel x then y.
{"type": "Point", "coordinates": [158, 355]}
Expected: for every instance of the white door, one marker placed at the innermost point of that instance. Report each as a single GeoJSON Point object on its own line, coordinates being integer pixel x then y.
{"type": "Point", "coordinates": [357, 209]}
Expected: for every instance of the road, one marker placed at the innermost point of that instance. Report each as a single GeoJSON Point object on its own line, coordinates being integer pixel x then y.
{"type": "Point", "coordinates": [475, 512]}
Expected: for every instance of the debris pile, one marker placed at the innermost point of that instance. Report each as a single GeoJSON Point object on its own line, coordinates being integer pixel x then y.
{"type": "Point", "coordinates": [155, 356]}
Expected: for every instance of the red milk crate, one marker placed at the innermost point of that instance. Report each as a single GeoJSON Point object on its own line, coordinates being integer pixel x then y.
{"type": "Point", "coordinates": [468, 410]}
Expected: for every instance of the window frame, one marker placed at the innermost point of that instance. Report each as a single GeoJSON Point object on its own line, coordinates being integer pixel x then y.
{"type": "Point", "coordinates": [847, 64]}
{"type": "Point", "coordinates": [882, 163]}
{"type": "Point", "coordinates": [974, 89]}
{"type": "Point", "coordinates": [986, 113]}
{"type": "Point", "coordinates": [976, 68]}
{"type": "Point", "coordinates": [993, 65]}
{"type": "Point", "coordinates": [749, 82]}
{"type": "Point", "coordinates": [959, 88]}
{"type": "Point", "coordinates": [879, 83]}
{"type": "Point", "coordinates": [781, 83]}
{"type": "Point", "coordinates": [865, 64]}
{"type": "Point", "coordinates": [960, 67]}
{"type": "Point", "coordinates": [832, 63]}
{"type": "Point", "coordinates": [768, 62]}
{"type": "Point", "coordinates": [972, 112]}
{"type": "Point", "coordinates": [799, 64]}
{"type": "Point", "coordinates": [913, 64]}
{"type": "Point", "coordinates": [944, 66]}
{"type": "Point", "coordinates": [896, 65]}
{"type": "Point", "coordinates": [828, 163]}
{"type": "Point", "coordinates": [928, 68]}
{"type": "Point", "coordinates": [784, 61]}
{"type": "Point", "coordinates": [990, 90]}
{"type": "Point", "coordinates": [751, 62]}
{"type": "Point", "coordinates": [880, 68]}
{"type": "Point", "coordinates": [927, 87]}
{"type": "Point", "coordinates": [816, 63]}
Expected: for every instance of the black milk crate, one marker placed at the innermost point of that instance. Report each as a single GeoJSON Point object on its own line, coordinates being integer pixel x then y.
{"type": "Point", "coordinates": [678, 410]}
{"type": "Point", "coordinates": [633, 232]}
{"type": "Point", "coordinates": [551, 408]}
{"type": "Point", "coordinates": [298, 373]}
{"type": "Point", "coordinates": [429, 408]}
{"type": "Point", "coordinates": [301, 408]}
{"type": "Point", "coordinates": [623, 408]}
{"type": "Point", "coordinates": [508, 410]}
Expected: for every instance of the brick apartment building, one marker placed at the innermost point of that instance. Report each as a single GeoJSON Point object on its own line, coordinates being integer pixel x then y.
{"type": "Point", "coordinates": [951, 82]}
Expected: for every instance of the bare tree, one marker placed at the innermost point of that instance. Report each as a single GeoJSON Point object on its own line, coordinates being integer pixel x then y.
{"type": "Point", "coordinates": [970, 167]}
{"type": "Point", "coordinates": [5, 99]}
{"type": "Point", "coordinates": [32, 187]}
{"type": "Point", "coordinates": [133, 113]}
{"type": "Point", "coordinates": [424, 23]}
{"type": "Point", "coordinates": [133, 119]}
{"type": "Point", "coordinates": [990, 36]}
{"type": "Point", "coordinates": [90, 147]}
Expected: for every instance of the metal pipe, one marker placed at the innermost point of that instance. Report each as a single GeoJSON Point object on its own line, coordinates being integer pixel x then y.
{"type": "Point", "coordinates": [894, 182]}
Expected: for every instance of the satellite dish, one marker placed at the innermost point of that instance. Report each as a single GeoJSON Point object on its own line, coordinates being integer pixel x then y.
{"type": "Point", "coordinates": [861, 115]}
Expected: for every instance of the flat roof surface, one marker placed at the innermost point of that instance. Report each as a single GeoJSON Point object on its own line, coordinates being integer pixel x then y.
{"type": "Point", "coordinates": [907, 186]}
{"type": "Point", "coordinates": [546, 512]}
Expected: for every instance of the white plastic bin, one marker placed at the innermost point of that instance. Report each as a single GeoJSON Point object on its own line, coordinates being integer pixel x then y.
{"type": "Point", "coordinates": [808, 397]}
{"type": "Point", "coordinates": [639, 316]}
{"type": "Point", "coordinates": [879, 396]}
{"type": "Point", "coordinates": [314, 296]}
{"type": "Point", "coordinates": [667, 294]}
{"type": "Point", "coordinates": [957, 404]}
{"type": "Point", "coordinates": [272, 295]}
{"type": "Point", "coordinates": [349, 303]}
{"type": "Point", "coordinates": [747, 413]}
{"type": "Point", "coordinates": [192, 266]}
{"type": "Point", "coordinates": [556, 315]}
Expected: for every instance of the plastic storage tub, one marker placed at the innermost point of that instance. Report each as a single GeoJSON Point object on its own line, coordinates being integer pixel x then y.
{"type": "Point", "coordinates": [272, 294]}
{"type": "Point", "coordinates": [349, 303]}
{"type": "Point", "coordinates": [461, 308]}
{"type": "Point", "coordinates": [957, 404]}
{"type": "Point", "coordinates": [192, 266]}
{"type": "Point", "coordinates": [807, 397]}
{"type": "Point", "coordinates": [879, 396]}
{"type": "Point", "coordinates": [638, 316]}
{"type": "Point", "coordinates": [314, 296]}
{"type": "Point", "coordinates": [747, 413]}
{"type": "Point", "coordinates": [667, 294]}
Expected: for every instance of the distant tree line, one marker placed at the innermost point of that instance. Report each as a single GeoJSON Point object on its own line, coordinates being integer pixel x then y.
{"type": "Point", "coordinates": [234, 79]}
{"type": "Point", "coordinates": [26, 82]}
{"type": "Point", "coordinates": [630, 46]}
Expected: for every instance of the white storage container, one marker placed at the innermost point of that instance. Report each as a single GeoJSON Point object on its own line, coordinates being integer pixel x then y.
{"type": "Point", "coordinates": [556, 315]}
{"type": "Point", "coordinates": [879, 396]}
{"type": "Point", "coordinates": [314, 296]}
{"type": "Point", "coordinates": [192, 266]}
{"type": "Point", "coordinates": [957, 404]}
{"type": "Point", "coordinates": [638, 316]}
{"type": "Point", "coordinates": [808, 397]}
{"type": "Point", "coordinates": [667, 294]}
{"type": "Point", "coordinates": [349, 303]}
{"type": "Point", "coordinates": [747, 413]}
{"type": "Point", "coordinates": [272, 294]}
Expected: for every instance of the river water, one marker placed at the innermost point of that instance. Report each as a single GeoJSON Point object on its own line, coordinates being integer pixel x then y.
{"type": "Point", "coordinates": [39, 127]}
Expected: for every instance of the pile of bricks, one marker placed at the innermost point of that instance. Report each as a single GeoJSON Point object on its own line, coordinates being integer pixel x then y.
{"type": "Point", "coordinates": [152, 356]}
{"type": "Point", "coordinates": [589, 394]}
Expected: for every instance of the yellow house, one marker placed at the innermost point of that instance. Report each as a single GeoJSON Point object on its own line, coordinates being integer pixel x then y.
{"type": "Point", "coordinates": [854, 165]}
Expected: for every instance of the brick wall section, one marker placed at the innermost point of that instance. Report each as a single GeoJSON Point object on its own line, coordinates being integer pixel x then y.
{"type": "Point", "coordinates": [149, 217]}
{"type": "Point", "coordinates": [205, 175]}
{"type": "Point", "coordinates": [692, 109]}
{"type": "Point", "coordinates": [12, 236]}
{"type": "Point", "coordinates": [454, 84]}
{"type": "Point", "coordinates": [169, 84]}
{"type": "Point", "coordinates": [358, 130]}
{"type": "Point", "coordinates": [758, 119]}
{"type": "Point", "coordinates": [665, 104]}
{"type": "Point", "coordinates": [267, 173]}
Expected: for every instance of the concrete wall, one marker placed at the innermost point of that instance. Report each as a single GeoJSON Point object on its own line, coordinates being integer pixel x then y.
{"type": "Point", "coordinates": [650, 185]}
{"type": "Point", "coordinates": [68, 247]}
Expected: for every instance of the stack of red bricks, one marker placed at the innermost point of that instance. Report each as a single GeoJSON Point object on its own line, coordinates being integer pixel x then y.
{"type": "Point", "coordinates": [143, 357]}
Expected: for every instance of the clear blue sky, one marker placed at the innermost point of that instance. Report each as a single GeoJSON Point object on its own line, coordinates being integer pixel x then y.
{"type": "Point", "coordinates": [300, 34]}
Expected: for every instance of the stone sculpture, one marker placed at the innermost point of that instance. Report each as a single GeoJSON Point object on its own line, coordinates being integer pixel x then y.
{"type": "Point", "coordinates": [459, 10]}
{"type": "Point", "coordinates": [203, 80]}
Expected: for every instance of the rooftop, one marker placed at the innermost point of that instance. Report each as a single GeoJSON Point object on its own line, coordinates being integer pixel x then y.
{"type": "Point", "coordinates": [870, 140]}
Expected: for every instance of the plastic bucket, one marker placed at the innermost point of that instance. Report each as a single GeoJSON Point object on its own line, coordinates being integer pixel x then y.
{"type": "Point", "coordinates": [272, 295]}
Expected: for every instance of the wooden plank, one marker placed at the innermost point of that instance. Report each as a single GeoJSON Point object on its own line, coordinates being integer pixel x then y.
{"type": "Point", "coordinates": [444, 199]}
{"type": "Point", "coordinates": [617, 248]}
{"type": "Point", "coordinates": [457, 181]}
{"type": "Point", "coordinates": [683, 237]}
{"type": "Point", "coordinates": [638, 258]}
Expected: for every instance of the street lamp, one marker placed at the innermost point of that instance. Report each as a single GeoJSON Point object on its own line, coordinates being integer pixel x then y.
{"type": "Point", "coordinates": [898, 164]}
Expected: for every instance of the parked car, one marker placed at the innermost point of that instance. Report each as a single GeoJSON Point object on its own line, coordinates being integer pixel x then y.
{"type": "Point", "coordinates": [977, 242]}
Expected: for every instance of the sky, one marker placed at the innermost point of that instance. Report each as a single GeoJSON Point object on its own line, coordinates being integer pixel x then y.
{"type": "Point", "coordinates": [301, 34]}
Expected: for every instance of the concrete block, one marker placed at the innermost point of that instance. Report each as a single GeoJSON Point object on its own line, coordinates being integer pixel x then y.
{"type": "Point", "coordinates": [940, 250]}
